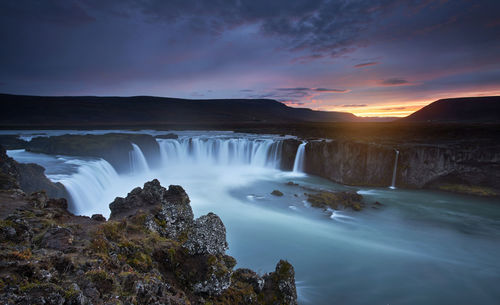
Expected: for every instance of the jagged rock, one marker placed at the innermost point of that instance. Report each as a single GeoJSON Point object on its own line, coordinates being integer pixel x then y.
{"type": "Point", "coordinates": [50, 256]}
{"type": "Point", "coordinates": [8, 172]}
{"type": "Point", "coordinates": [28, 177]}
{"type": "Point", "coordinates": [98, 217]}
{"type": "Point", "coordinates": [249, 277]}
{"type": "Point", "coordinates": [280, 285]}
{"type": "Point", "coordinates": [207, 236]}
{"type": "Point", "coordinates": [215, 284]}
{"type": "Point", "coordinates": [31, 178]}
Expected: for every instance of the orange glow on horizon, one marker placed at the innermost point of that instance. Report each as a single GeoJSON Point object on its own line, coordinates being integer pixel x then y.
{"type": "Point", "coordinates": [397, 108]}
{"type": "Point", "coordinates": [384, 110]}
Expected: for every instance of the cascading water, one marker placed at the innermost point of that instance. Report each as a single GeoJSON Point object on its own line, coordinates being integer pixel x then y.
{"type": "Point", "coordinates": [298, 164]}
{"type": "Point", "coordinates": [138, 162]}
{"type": "Point", "coordinates": [221, 151]}
{"type": "Point", "coordinates": [87, 185]}
{"type": "Point", "coordinates": [393, 184]}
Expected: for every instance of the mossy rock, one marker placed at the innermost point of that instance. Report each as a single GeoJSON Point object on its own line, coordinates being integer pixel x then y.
{"type": "Point", "coordinates": [277, 193]}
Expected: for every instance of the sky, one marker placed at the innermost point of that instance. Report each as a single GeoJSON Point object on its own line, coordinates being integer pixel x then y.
{"type": "Point", "coordinates": [368, 57]}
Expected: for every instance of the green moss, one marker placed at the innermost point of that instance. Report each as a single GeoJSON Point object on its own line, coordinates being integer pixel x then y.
{"type": "Point", "coordinates": [99, 245]}
{"type": "Point", "coordinates": [113, 230]}
{"type": "Point", "coordinates": [103, 282]}
{"type": "Point", "coordinates": [160, 222]}
{"type": "Point", "coordinates": [277, 193]}
{"type": "Point", "coordinates": [71, 293]}
{"type": "Point", "coordinates": [468, 189]}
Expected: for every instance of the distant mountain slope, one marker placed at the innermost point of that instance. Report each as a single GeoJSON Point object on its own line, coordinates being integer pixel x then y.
{"type": "Point", "coordinates": [466, 109]}
{"type": "Point", "coordinates": [20, 110]}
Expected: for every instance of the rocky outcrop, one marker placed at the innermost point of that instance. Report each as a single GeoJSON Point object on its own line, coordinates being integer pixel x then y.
{"type": "Point", "coordinates": [288, 151]}
{"type": "Point", "coordinates": [27, 177]}
{"type": "Point", "coordinates": [168, 136]}
{"type": "Point", "coordinates": [112, 147]}
{"type": "Point", "coordinates": [49, 256]}
{"type": "Point", "coordinates": [12, 142]}
{"type": "Point", "coordinates": [207, 236]}
{"type": "Point", "coordinates": [335, 200]}
{"type": "Point", "coordinates": [350, 163]}
{"type": "Point", "coordinates": [462, 168]}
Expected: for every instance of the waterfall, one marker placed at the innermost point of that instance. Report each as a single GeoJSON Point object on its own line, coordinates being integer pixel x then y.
{"type": "Point", "coordinates": [393, 184]}
{"type": "Point", "coordinates": [87, 185]}
{"type": "Point", "coordinates": [221, 151]}
{"type": "Point", "coordinates": [298, 164]}
{"type": "Point", "coordinates": [138, 162]}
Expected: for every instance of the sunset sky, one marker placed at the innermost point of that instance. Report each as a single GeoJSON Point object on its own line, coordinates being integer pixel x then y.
{"type": "Point", "coordinates": [368, 57]}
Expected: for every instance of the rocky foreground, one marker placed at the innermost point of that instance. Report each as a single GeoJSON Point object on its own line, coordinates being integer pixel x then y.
{"type": "Point", "coordinates": [151, 251]}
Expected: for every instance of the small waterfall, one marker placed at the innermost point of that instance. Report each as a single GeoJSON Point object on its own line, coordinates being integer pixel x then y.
{"type": "Point", "coordinates": [138, 162]}
{"type": "Point", "coordinates": [298, 164]}
{"type": "Point", "coordinates": [87, 185]}
{"type": "Point", "coordinates": [221, 151]}
{"type": "Point", "coordinates": [393, 184]}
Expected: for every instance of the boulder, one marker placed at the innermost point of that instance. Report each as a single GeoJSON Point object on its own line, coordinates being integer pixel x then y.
{"type": "Point", "coordinates": [335, 200]}
{"type": "Point", "coordinates": [207, 236]}
{"type": "Point", "coordinates": [168, 212]}
{"type": "Point", "coordinates": [277, 193]}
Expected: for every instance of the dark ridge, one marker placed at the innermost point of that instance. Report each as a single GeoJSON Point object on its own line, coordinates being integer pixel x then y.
{"type": "Point", "coordinates": [22, 110]}
{"type": "Point", "coordinates": [459, 110]}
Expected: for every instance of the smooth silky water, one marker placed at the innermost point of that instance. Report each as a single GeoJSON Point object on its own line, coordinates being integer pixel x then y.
{"type": "Point", "coordinates": [420, 247]}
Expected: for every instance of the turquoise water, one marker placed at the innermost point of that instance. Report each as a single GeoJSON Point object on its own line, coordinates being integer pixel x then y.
{"type": "Point", "coordinates": [420, 247]}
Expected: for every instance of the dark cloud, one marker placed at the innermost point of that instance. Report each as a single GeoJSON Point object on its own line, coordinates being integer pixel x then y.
{"type": "Point", "coordinates": [366, 64]}
{"type": "Point", "coordinates": [246, 90]}
{"type": "Point", "coordinates": [354, 105]}
{"type": "Point", "coordinates": [302, 89]}
{"type": "Point", "coordinates": [293, 103]}
{"type": "Point", "coordinates": [394, 82]}
{"type": "Point", "coordinates": [179, 46]}
{"type": "Point", "coordinates": [67, 13]}
{"type": "Point", "coordinates": [393, 108]}
{"type": "Point", "coordinates": [330, 90]}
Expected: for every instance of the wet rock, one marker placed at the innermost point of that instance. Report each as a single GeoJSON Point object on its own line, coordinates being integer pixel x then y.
{"type": "Point", "coordinates": [277, 193]}
{"type": "Point", "coordinates": [207, 236]}
{"type": "Point", "coordinates": [168, 136]}
{"type": "Point", "coordinates": [291, 183]}
{"type": "Point", "coordinates": [335, 200]}
{"type": "Point", "coordinates": [288, 152]}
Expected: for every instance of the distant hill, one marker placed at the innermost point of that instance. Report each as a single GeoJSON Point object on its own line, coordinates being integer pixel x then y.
{"type": "Point", "coordinates": [464, 110]}
{"type": "Point", "coordinates": [25, 111]}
